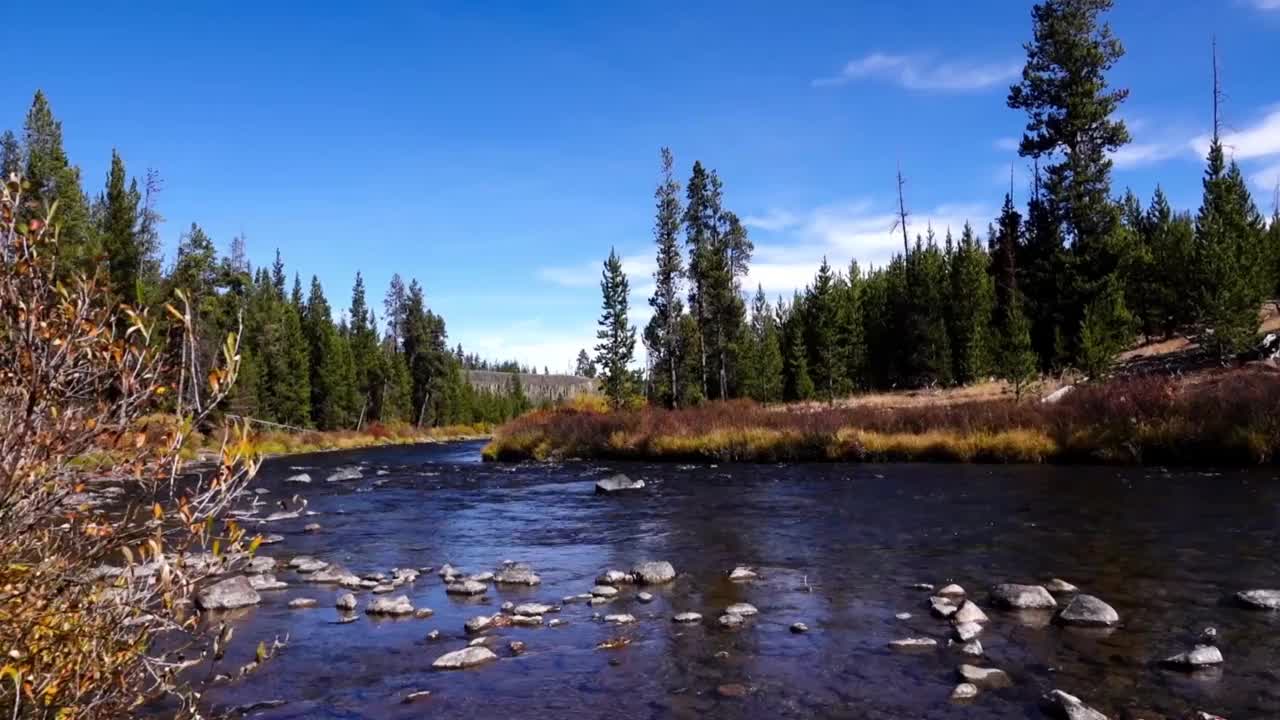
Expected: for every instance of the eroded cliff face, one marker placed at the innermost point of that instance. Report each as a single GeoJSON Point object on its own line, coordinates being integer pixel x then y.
{"type": "Point", "coordinates": [536, 387]}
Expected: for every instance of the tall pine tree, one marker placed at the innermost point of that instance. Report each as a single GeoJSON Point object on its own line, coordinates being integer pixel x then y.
{"type": "Point", "coordinates": [662, 334]}
{"type": "Point", "coordinates": [617, 338]}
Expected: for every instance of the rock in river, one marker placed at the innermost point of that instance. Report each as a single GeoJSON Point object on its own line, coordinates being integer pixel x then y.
{"type": "Point", "coordinates": [654, 572]}
{"type": "Point", "coordinates": [604, 591]}
{"type": "Point", "coordinates": [346, 601]}
{"type": "Point", "coordinates": [464, 658]}
{"type": "Point", "coordinates": [517, 575]}
{"type": "Point", "coordinates": [1089, 611]}
{"type": "Point", "coordinates": [730, 620]}
{"type": "Point", "coordinates": [300, 479]}
{"type": "Point", "coordinates": [1022, 597]}
{"type": "Point", "coordinates": [235, 592]}
{"type": "Point", "coordinates": [645, 597]}
{"type": "Point", "coordinates": [616, 484]}
{"type": "Point", "coordinates": [533, 609]}
{"type": "Point", "coordinates": [1198, 657]}
{"type": "Point", "coordinates": [984, 677]}
{"type": "Point", "coordinates": [266, 582]}
{"type": "Point", "coordinates": [260, 564]}
{"type": "Point", "coordinates": [298, 603]}
{"type": "Point", "coordinates": [967, 631]}
{"type": "Point", "coordinates": [307, 564]}
{"type": "Point", "coordinates": [799, 627]}
{"type": "Point", "coordinates": [686, 617]}
{"type": "Point", "coordinates": [964, 691]}
{"type": "Point", "coordinates": [346, 473]}
{"type": "Point", "coordinates": [1068, 707]}
{"type": "Point", "coordinates": [466, 587]}
{"type": "Point", "coordinates": [1058, 586]}
{"type": "Point", "coordinates": [913, 643]}
{"type": "Point", "coordinates": [398, 605]}
{"type": "Point", "coordinates": [943, 607]}
{"type": "Point", "coordinates": [614, 577]}
{"type": "Point", "coordinates": [620, 619]}
{"type": "Point", "coordinates": [741, 573]}
{"type": "Point", "coordinates": [969, 612]}
{"type": "Point", "coordinates": [1260, 599]}
{"type": "Point", "coordinates": [743, 609]}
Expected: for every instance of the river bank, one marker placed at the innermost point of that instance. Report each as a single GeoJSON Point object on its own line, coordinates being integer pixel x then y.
{"type": "Point", "coordinates": [1228, 417]}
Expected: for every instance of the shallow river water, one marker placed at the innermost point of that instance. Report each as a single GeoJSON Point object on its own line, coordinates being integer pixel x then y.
{"type": "Point", "coordinates": [836, 547]}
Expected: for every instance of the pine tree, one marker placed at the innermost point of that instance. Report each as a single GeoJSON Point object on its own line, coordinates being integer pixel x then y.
{"type": "Point", "coordinates": [51, 173]}
{"type": "Point", "coordinates": [662, 334]}
{"type": "Point", "coordinates": [584, 367]}
{"type": "Point", "coordinates": [1229, 234]}
{"type": "Point", "coordinates": [10, 155]}
{"type": "Point", "coordinates": [972, 301]}
{"type": "Point", "coordinates": [278, 279]}
{"type": "Point", "coordinates": [292, 384]}
{"type": "Point", "coordinates": [1017, 361]}
{"type": "Point", "coordinates": [851, 329]}
{"type": "Point", "coordinates": [1004, 258]}
{"type": "Point", "coordinates": [333, 388]}
{"type": "Point", "coordinates": [617, 339]}
{"type": "Point", "coordinates": [1105, 331]}
{"type": "Point", "coordinates": [921, 315]}
{"type": "Point", "coordinates": [1271, 283]}
{"type": "Point", "coordinates": [762, 363]}
{"type": "Point", "coordinates": [702, 207]}
{"type": "Point", "coordinates": [1069, 109]}
{"type": "Point", "coordinates": [118, 227]}
{"type": "Point", "coordinates": [822, 308]}
{"type": "Point", "coordinates": [364, 348]}
{"type": "Point", "coordinates": [797, 383]}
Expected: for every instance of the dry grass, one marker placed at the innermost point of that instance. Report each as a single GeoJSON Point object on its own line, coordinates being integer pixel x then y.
{"type": "Point", "coordinates": [1228, 417]}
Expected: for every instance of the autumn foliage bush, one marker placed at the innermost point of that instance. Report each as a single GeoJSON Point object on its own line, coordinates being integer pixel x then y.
{"type": "Point", "coordinates": [1229, 418]}
{"type": "Point", "coordinates": [94, 602]}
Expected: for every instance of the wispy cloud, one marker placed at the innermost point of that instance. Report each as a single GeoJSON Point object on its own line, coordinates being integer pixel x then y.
{"type": "Point", "coordinates": [1268, 178]}
{"type": "Point", "coordinates": [1260, 140]}
{"type": "Point", "coordinates": [1007, 144]}
{"type": "Point", "coordinates": [843, 232]}
{"type": "Point", "coordinates": [1136, 155]}
{"type": "Point", "coordinates": [772, 220]}
{"type": "Point", "coordinates": [1266, 4]}
{"type": "Point", "coordinates": [921, 72]}
{"type": "Point", "coordinates": [639, 269]}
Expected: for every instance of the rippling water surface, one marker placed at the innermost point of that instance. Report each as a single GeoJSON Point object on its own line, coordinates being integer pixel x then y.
{"type": "Point", "coordinates": [836, 546]}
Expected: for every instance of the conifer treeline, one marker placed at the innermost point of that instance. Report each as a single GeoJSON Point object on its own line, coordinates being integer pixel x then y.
{"type": "Point", "coordinates": [298, 366]}
{"type": "Point", "coordinates": [1070, 282]}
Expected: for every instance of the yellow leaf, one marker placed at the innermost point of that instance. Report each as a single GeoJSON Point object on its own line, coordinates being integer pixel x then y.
{"type": "Point", "coordinates": [217, 547]}
{"type": "Point", "coordinates": [253, 546]}
{"type": "Point", "coordinates": [157, 512]}
{"type": "Point", "coordinates": [262, 651]}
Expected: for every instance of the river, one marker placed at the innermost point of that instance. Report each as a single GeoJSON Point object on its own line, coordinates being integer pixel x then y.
{"type": "Point", "coordinates": [836, 547]}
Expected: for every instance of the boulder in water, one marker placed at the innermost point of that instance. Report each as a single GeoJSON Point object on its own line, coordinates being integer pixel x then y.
{"type": "Point", "coordinates": [969, 612]}
{"type": "Point", "coordinates": [1068, 707]}
{"type": "Point", "coordinates": [344, 474]}
{"type": "Point", "coordinates": [466, 587]}
{"type": "Point", "coordinates": [299, 479]}
{"type": "Point", "coordinates": [1260, 599]}
{"type": "Point", "coordinates": [913, 643]}
{"type": "Point", "coordinates": [654, 572]}
{"type": "Point", "coordinates": [686, 617]}
{"type": "Point", "coordinates": [346, 601]}
{"type": "Point", "coordinates": [266, 582]}
{"type": "Point", "coordinates": [533, 609]}
{"type": "Point", "coordinates": [1022, 597]}
{"type": "Point", "coordinates": [964, 691]}
{"type": "Point", "coordinates": [742, 573]}
{"type": "Point", "coordinates": [464, 658]}
{"type": "Point", "coordinates": [967, 631]}
{"type": "Point", "coordinates": [517, 575]}
{"type": "Point", "coordinates": [396, 606]}
{"type": "Point", "coordinates": [298, 603]}
{"type": "Point", "coordinates": [617, 484]}
{"type": "Point", "coordinates": [614, 577]}
{"type": "Point", "coordinates": [1088, 611]}
{"type": "Point", "coordinates": [234, 592]}
{"type": "Point", "coordinates": [984, 677]}
{"type": "Point", "coordinates": [1198, 657]}
{"type": "Point", "coordinates": [743, 609]}
{"type": "Point", "coordinates": [620, 619]}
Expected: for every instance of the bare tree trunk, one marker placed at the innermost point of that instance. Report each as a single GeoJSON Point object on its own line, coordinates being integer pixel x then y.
{"type": "Point", "coordinates": [902, 215]}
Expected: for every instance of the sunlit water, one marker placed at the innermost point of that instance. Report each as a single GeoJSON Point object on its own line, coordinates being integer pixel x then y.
{"type": "Point", "coordinates": [836, 546]}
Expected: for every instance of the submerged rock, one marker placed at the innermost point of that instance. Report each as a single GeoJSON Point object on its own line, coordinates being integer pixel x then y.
{"type": "Point", "coordinates": [398, 605]}
{"type": "Point", "coordinates": [299, 479]}
{"type": "Point", "coordinates": [799, 628]}
{"type": "Point", "coordinates": [742, 573]}
{"type": "Point", "coordinates": [686, 617]}
{"type": "Point", "coordinates": [1068, 707]}
{"type": "Point", "coordinates": [914, 643]}
{"type": "Point", "coordinates": [423, 613]}
{"type": "Point", "coordinates": [234, 592]}
{"type": "Point", "coordinates": [645, 597]}
{"type": "Point", "coordinates": [654, 572]}
{"type": "Point", "coordinates": [730, 620]}
{"type": "Point", "coordinates": [344, 474]}
{"type": "Point", "coordinates": [984, 677]}
{"type": "Point", "coordinates": [1089, 611]}
{"type": "Point", "coordinates": [1260, 599]}
{"type": "Point", "coordinates": [620, 619]}
{"type": "Point", "coordinates": [298, 603]}
{"type": "Point", "coordinates": [1022, 597]}
{"type": "Point", "coordinates": [1198, 657]}
{"type": "Point", "coordinates": [743, 609]}
{"type": "Point", "coordinates": [464, 658]}
{"type": "Point", "coordinates": [964, 691]}
{"type": "Point", "coordinates": [617, 484]}
{"type": "Point", "coordinates": [527, 620]}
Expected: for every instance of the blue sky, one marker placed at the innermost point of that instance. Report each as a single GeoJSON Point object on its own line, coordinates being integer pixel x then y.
{"type": "Point", "coordinates": [497, 150]}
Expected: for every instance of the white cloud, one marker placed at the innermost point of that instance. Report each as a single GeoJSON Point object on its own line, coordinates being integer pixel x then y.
{"type": "Point", "coordinates": [919, 72]}
{"type": "Point", "coordinates": [771, 221]}
{"type": "Point", "coordinates": [1267, 4]}
{"type": "Point", "coordinates": [639, 269]}
{"type": "Point", "coordinates": [1136, 155]}
{"type": "Point", "coordinates": [1268, 178]}
{"type": "Point", "coordinates": [1260, 140]}
{"type": "Point", "coordinates": [531, 342]}
{"type": "Point", "coordinates": [844, 232]}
